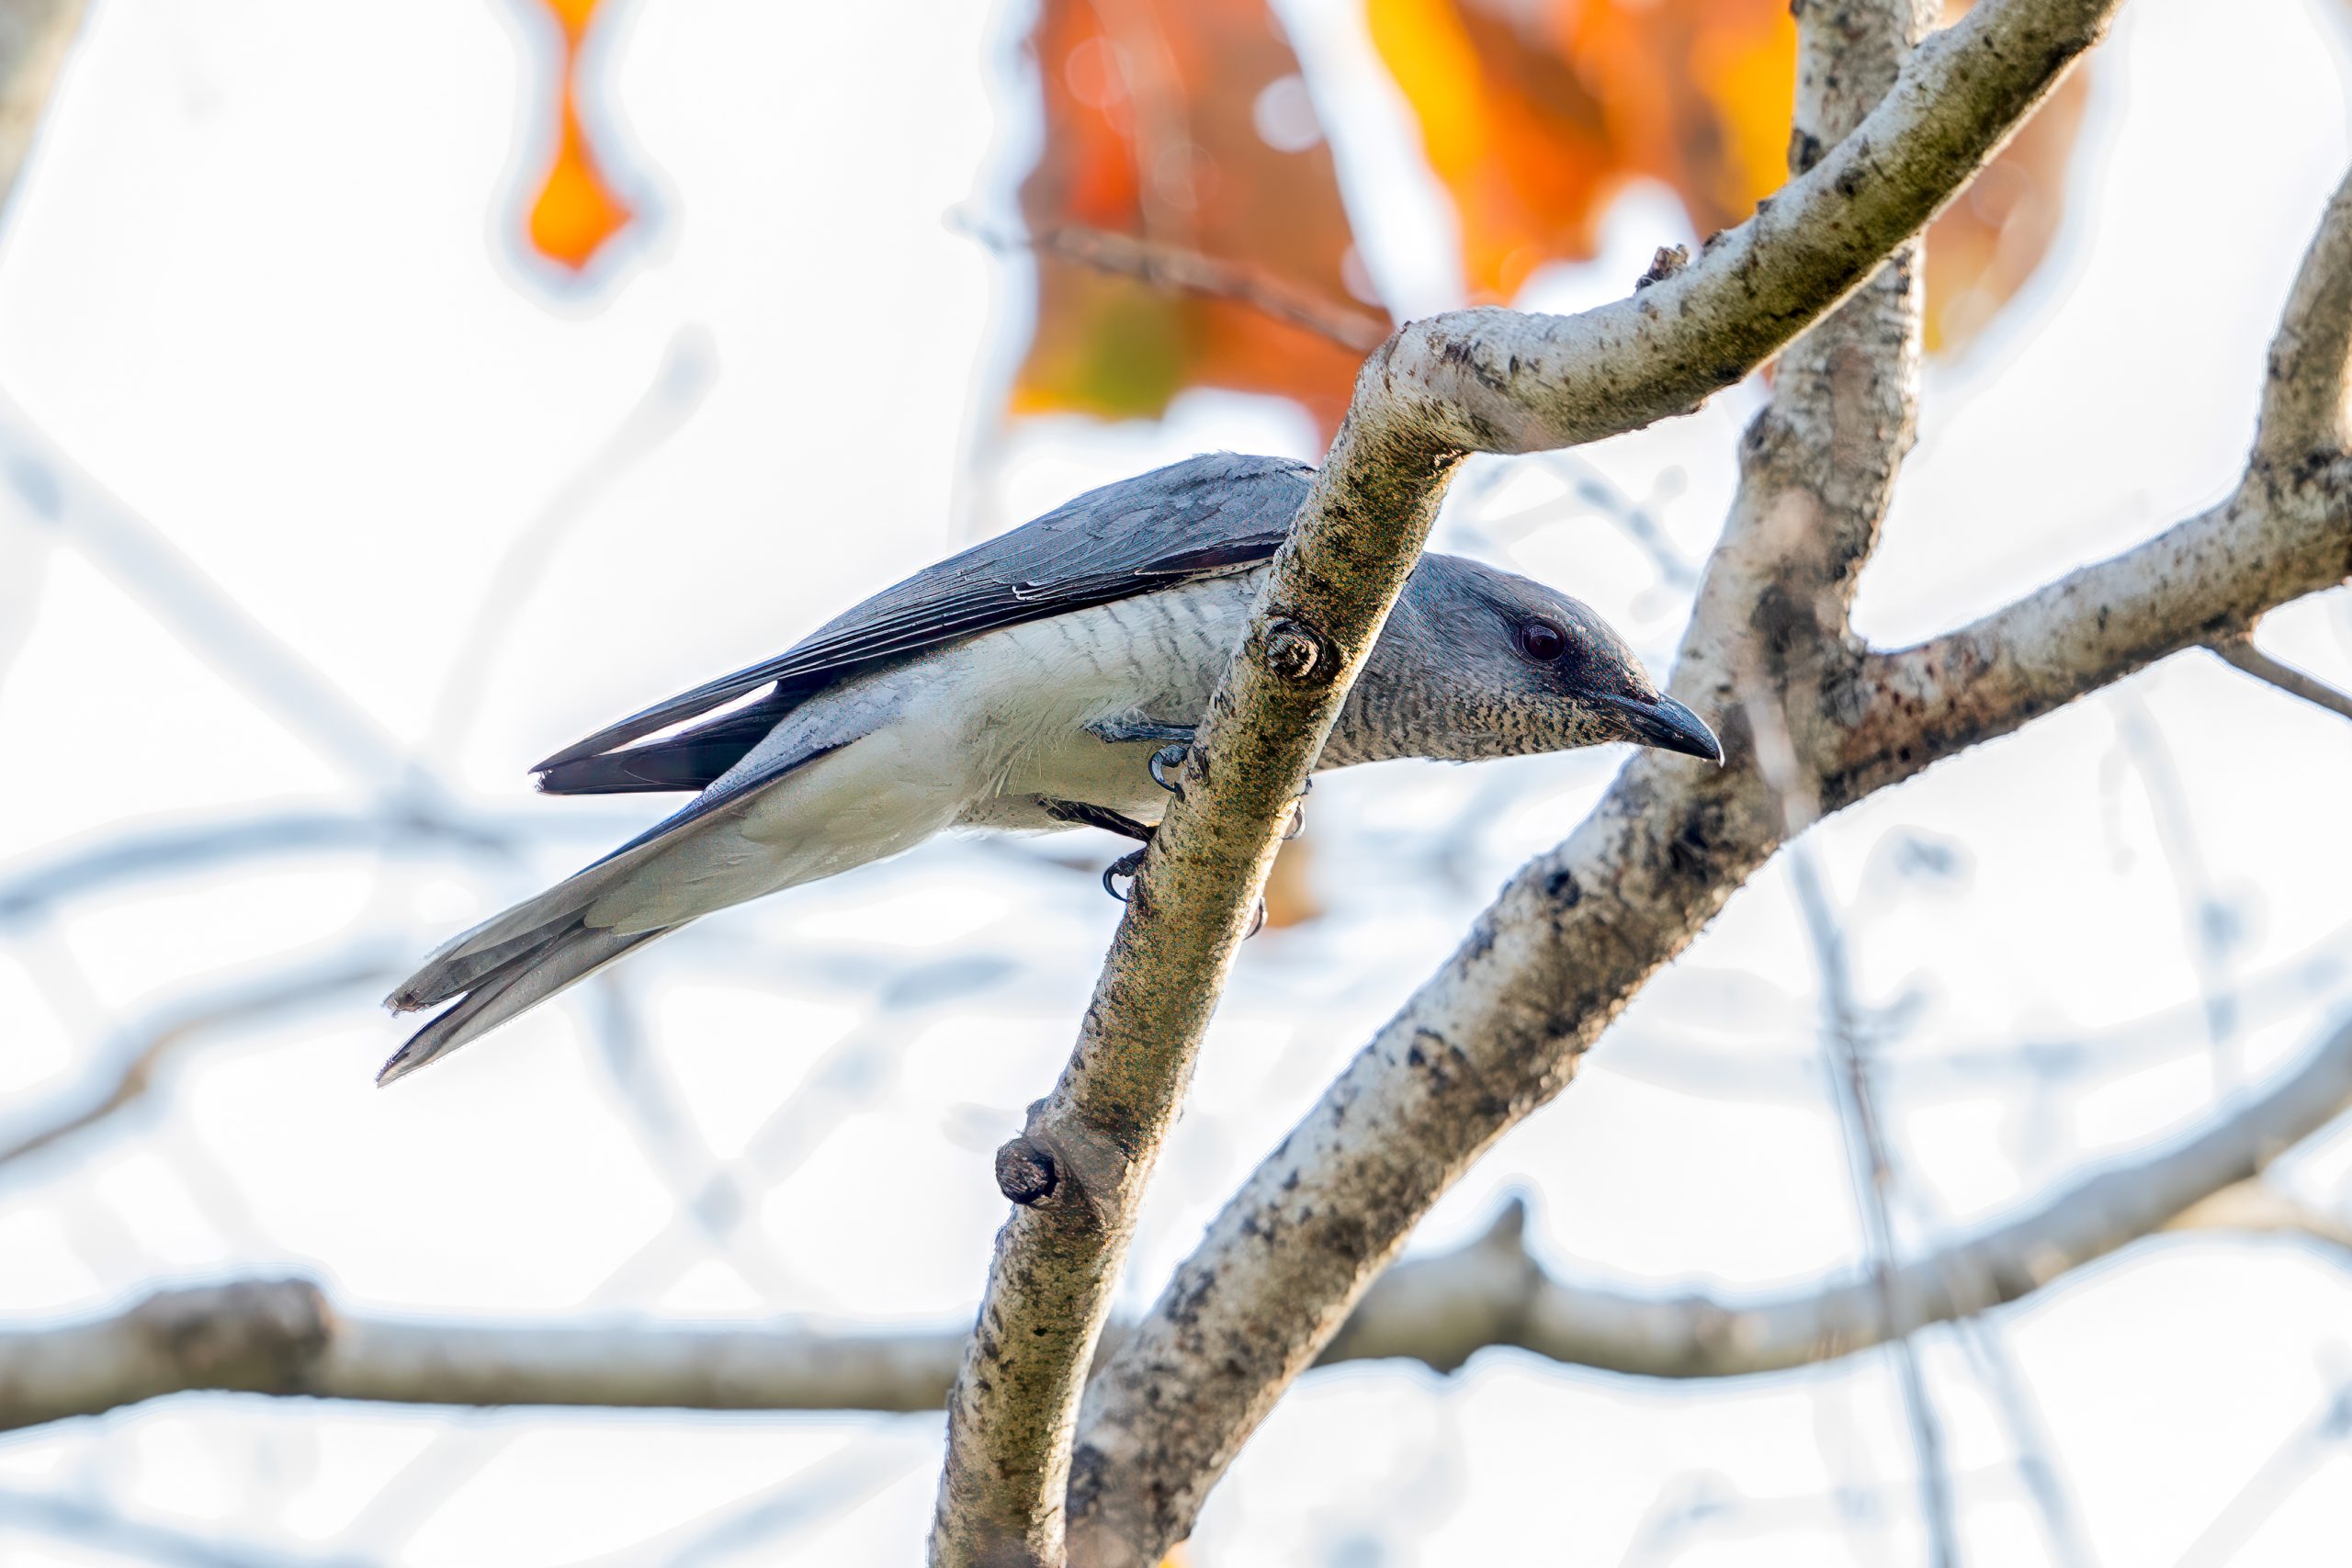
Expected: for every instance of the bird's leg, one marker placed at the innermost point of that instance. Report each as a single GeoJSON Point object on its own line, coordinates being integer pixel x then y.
{"type": "Point", "coordinates": [1084, 814]}
{"type": "Point", "coordinates": [1087, 814]}
{"type": "Point", "coordinates": [1176, 740]}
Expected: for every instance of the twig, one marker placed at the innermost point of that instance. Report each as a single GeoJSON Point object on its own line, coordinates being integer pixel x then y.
{"type": "Point", "coordinates": [208, 621]}
{"type": "Point", "coordinates": [140, 1052]}
{"type": "Point", "coordinates": [1868, 1163]}
{"type": "Point", "coordinates": [1165, 265]}
{"type": "Point", "coordinates": [2203, 916]}
{"type": "Point", "coordinates": [34, 883]}
{"type": "Point", "coordinates": [2273, 1482]}
{"type": "Point", "coordinates": [669, 402]}
{"type": "Point", "coordinates": [2240, 650]}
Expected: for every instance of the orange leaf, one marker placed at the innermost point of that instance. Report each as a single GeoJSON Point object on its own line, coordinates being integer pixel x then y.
{"type": "Point", "coordinates": [577, 210]}
{"type": "Point", "coordinates": [1537, 113]}
{"type": "Point", "coordinates": [1188, 128]}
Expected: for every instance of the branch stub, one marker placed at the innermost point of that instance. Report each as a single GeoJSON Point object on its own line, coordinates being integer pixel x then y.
{"type": "Point", "coordinates": [1294, 650]}
{"type": "Point", "coordinates": [1025, 1173]}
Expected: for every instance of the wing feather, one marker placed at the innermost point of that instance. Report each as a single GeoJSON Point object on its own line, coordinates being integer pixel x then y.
{"type": "Point", "coordinates": [1206, 515]}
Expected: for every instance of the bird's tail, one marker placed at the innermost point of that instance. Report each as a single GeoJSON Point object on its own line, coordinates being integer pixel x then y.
{"type": "Point", "coordinates": [522, 957]}
{"type": "Point", "coordinates": [499, 980]}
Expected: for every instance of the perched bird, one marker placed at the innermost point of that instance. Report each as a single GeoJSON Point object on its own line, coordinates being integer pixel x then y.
{"type": "Point", "coordinates": [1042, 680]}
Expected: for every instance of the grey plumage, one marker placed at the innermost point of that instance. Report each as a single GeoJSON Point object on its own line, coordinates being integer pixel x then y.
{"type": "Point", "coordinates": [1002, 686]}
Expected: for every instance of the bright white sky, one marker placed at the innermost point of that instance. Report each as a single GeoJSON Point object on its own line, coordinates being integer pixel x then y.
{"type": "Point", "coordinates": [258, 309]}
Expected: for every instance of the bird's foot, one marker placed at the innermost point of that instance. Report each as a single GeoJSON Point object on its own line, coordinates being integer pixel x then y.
{"type": "Point", "coordinates": [1124, 868]}
{"type": "Point", "coordinates": [1175, 740]}
{"type": "Point", "coordinates": [1128, 866]}
{"type": "Point", "coordinates": [1172, 755]}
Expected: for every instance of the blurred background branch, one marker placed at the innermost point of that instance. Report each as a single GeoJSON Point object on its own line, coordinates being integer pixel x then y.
{"type": "Point", "coordinates": [34, 38]}
{"type": "Point", "coordinates": [284, 1337]}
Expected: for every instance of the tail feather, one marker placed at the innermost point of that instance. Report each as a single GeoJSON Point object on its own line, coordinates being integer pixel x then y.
{"type": "Point", "coordinates": [459, 965]}
{"type": "Point", "coordinates": [523, 980]}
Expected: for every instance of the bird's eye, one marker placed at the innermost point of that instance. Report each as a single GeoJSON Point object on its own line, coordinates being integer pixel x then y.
{"type": "Point", "coordinates": [1541, 641]}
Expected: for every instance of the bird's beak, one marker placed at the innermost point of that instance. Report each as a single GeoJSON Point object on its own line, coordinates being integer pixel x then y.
{"type": "Point", "coordinates": [1662, 722]}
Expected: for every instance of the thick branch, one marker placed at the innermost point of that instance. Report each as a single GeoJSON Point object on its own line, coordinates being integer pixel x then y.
{"type": "Point", "coordinates": [2304, 395]}
{"type": "Point", "coordinates": [1479, 380]}
{"type": "Point", "coordinates": [2203, 580]}
{"type": "Point", "coordinates": [282, 1337]}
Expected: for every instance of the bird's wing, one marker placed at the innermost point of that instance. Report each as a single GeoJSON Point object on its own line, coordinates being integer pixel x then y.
{"type": "Point", "coordinates": [1206, 515]}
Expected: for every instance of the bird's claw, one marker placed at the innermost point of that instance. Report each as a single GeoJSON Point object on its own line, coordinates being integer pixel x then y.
{"type": "Point", "coordinates": [1172, 755]}
{"type": "Point", "coordinates": [1129, 864]}
{"type": "Point", "coordinates": [1126, 865]}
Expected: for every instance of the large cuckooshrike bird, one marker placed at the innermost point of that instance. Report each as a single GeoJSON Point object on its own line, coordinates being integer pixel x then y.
{"type": "Point", "coordinates": [1041, 680]}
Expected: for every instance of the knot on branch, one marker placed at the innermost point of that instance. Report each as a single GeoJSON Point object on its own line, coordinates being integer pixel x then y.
{"type": "Point", "coordinates": [253, 1333]}
{"type": "Point", "coordinates": [1060, 1164]}
{"type": "Point", "coordinates": [1295, 651]}
{"type": "Point", "coordinates": [1025, 1173]}
{"type": "Point", "coordinates": [1669, 260]}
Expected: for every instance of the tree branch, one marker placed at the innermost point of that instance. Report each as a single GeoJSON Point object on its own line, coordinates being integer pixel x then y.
{"type": "Point", "coordinates": [34, 36]}
{"type": "Point", "coordinates": [2305, 392]}
{"type": "Point", "coordinates": [1164, 266]}
{"type": "Point", "coordinates": [1477, 380]}
{"type": "Point", "coordinates": [284, 1338]}
{"type": "Point", "coordinates": [1498, 1029]}
{"type": "Point", "coordinates": [2240, 651]}
{"type": "Point", "coordinates": [2202, 580]}
{"type": "Point", "coordinates": [1490, 1297]}
{"type": "Point", "coordinates": [139, 1053]}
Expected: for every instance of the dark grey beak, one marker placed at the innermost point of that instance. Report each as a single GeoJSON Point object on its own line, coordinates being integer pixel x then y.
{"type": "Point", "coordinates": [1666, 724]}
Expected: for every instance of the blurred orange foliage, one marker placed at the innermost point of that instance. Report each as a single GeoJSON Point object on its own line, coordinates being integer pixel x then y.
{"type": "Point", "coordinates": [1187, 127]}
{"type": "Point", "coordinates": [1536, 113]}
{"type": "Point", "coordinates": [576, 210]}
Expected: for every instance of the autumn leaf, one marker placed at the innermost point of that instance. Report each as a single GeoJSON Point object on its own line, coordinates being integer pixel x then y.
{"type": "Point", "coordinates": [1536, 114]}
{"type": "Point", "coordinates": [576, 210]}
{"type": "Point", "coordinates": [1186, 217]}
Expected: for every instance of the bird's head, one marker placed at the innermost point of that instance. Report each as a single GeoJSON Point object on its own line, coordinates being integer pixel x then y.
{"type": "Point", "coordinates": [1478, 662]}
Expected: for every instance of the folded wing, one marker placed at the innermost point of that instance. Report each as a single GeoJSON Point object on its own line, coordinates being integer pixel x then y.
{"type": "Point", "coordinates": [1205, 516]}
